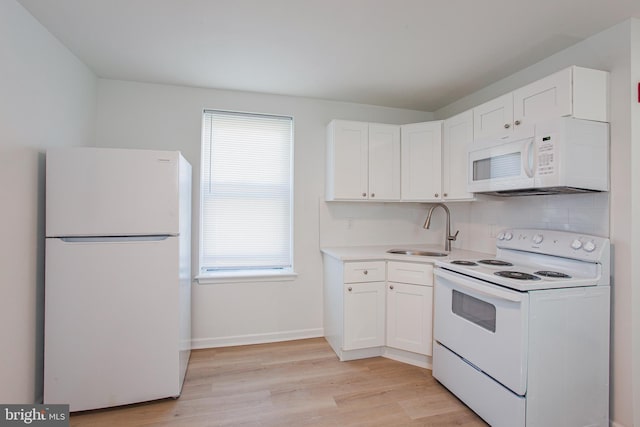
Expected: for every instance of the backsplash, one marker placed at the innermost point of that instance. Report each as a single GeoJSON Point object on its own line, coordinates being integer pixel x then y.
{"type": "Point", "coordinates": [353, 223]}
{"type": "Point", "coordinates": [375, 223]}
{"type": "Point", "coordinates": [582, 213]}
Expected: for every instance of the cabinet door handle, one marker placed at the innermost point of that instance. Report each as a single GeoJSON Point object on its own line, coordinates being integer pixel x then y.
{"type": "Point", "coordinates": [349, 288]}
{"type": "Point", "coordinates": [517, 122]}
{"type": "Point", "coordinates": [391, 287]}
{"type": "Point", "coordinates": [437, 195]}
{"type": "Point", "coordinates": [365, 272]}
{"type": "Point", "coordinates": [507, 125]}
{"type": "Point", "coordinates": [445, 194]}
{"type": "Point", "coordinates": [373, 194]}
{"type": "Point", "coordinates": [364, 194]}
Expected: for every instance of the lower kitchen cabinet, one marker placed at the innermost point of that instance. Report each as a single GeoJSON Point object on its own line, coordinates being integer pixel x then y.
{"type": "Point", "coordinates": [409, 307]}
{"type": "Point", "coordinates": [409, 321]}
{"type": "Point", "coordinates": [364, 315]}
{"type": "Point", "coordinates": [379, 308]}
{"type": "Point", "coordinates": [354, 307]}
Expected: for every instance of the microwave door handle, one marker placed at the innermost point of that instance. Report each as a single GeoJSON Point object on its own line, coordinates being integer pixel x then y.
{"type": "Point", "coordinates": [493, 291]}
{"type": "Point", "coordinates": [529, 165]}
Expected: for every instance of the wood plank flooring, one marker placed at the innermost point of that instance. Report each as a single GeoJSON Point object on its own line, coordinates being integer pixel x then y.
{"type": "Point", "coordinates": [294, 383]}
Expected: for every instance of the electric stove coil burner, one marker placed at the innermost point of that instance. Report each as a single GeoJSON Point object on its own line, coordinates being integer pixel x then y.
{"type": "Point", "coordinates": [463, 262]}
{"type": "Point", "coordinates": [516, 275]}
{"type": "Point", "coordinates": [495, 262]}
{"type": "Point", "coordinates": [553, 274]}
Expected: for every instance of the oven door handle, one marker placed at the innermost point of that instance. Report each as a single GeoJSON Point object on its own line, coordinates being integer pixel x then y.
{"type": "Point", "coordinates": [493, 291]}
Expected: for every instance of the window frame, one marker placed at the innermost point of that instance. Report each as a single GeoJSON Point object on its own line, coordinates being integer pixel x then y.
{"type": "Point", "coordinates": [249, 274]}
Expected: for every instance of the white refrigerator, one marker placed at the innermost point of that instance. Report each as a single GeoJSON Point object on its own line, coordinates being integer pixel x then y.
{"type": "Point", "coordinates": [117, 276]}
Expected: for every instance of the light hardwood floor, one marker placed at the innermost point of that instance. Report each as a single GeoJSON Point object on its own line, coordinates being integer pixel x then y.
{"type": "Point", "coordinates": [294, 383]}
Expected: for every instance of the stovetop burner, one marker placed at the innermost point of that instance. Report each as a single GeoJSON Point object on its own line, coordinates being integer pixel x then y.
{"type": "Point", "coordinates": [552, 274]}
{"type": "Point", "coordinates": [495, 262]}
{"type": "Point", "coordinates": [516, 275]}
{"type": "Point", "coordinates": [463, 262]}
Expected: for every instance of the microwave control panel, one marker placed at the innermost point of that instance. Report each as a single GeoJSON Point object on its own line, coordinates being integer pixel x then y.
{"type": "Point", "coordinates": [546, 155]}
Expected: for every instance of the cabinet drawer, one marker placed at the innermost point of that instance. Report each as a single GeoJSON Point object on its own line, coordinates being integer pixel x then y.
{"type": "Point", "coordinates": [408, 272]}
{"type": "Point", "coordinates": [355, 272]}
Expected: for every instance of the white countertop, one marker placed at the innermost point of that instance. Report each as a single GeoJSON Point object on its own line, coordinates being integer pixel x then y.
{"type": "Point", "coordinates": [379, 253]}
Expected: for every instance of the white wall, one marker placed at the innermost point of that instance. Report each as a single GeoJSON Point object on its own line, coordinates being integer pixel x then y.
{"type": "Point", "coordinates": [601, 214]}
{"type": "Point", "coordinates": [635, 213]}
{"type": "Point", "coordinates": [47, 99]}
{"type": "Point", "coordinates": [169, 117]}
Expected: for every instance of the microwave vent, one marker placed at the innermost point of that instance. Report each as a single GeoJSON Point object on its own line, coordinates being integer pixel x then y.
{"type": "Point", "coordinates": [539, 191]}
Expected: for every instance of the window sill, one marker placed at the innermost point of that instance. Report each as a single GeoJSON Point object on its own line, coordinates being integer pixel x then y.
{"type": "Point", "coordinates": [245, 276]}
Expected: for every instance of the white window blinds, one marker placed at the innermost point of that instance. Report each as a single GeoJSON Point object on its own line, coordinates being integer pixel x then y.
{"type": "Point", "coordinates": [246, 190]}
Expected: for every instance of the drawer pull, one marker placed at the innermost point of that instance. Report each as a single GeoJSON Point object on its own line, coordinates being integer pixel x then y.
{"type": "Point", "coordinates": [365, 272]}
{"type": "Point", "coordinates": [349, 288]}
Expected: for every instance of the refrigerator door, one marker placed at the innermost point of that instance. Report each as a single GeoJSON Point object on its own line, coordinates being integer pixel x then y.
{"type": "Point", "coordinates": [111, 192]}
{"type": "Point", "coordinates": [112, 322]}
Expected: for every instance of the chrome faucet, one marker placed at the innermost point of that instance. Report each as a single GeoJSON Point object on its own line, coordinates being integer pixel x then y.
{"type": "Point", "coordinates": [448, 237]}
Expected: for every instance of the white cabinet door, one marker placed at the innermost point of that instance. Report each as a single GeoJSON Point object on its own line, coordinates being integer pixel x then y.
{"type": "Point", "coordinates": [421, 161]}
{"type": "Point", "coordinates": [544, 99]}
{"type": "Point", "coordinates": [384, 162]}
{"type": "Point", "coordinates": [409, 317]}
{"type": "Point", "coordinates": [458, 134]}
{"type": "Point", "coordinates": [347, 160]}
{"type": "Point", "coordinates": [575, 91]}
{"type": "Point", "coordinates": [493, 119]}
{"type": "Point", "coordinates": [364, 315]}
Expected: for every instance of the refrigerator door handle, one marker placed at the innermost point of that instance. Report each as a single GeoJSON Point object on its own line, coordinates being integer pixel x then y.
{"type": "Point", "coordinates": [119, 239]}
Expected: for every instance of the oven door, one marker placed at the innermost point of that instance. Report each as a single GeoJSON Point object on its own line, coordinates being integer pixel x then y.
{"type": "Point", "coordinates": [485, 324]}
{"type": "Point", "coordinates": [501, 165]}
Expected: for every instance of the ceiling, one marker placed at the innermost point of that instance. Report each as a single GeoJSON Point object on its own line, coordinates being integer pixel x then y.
{"type": "Point", "coordinates": [416, 54]}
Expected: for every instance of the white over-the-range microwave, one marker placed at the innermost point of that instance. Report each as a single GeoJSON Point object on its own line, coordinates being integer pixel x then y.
{"type": "Point", "coordinates": [563, 155]}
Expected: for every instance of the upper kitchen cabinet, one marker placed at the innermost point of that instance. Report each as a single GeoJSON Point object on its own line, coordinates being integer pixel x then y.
{"type": "Point", "coordinates": [493, 118]}
{"type": "Point", "coordinates": [363, 161]}
{"type": "Point", "coordinates": [575, 91]}
{"type": "Point", "coordinates": [458, 134]}
{"type": "Point", "coordinates": [422, 161]}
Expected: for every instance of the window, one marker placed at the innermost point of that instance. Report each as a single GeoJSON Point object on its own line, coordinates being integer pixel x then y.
{"type": "Point", "coordinates": [246, 194]}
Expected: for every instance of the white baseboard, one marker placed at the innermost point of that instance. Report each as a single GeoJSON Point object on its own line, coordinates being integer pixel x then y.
{"type": "Point", "coordinates": [362, 353]}
{"type": "Point", "coordinates": [199, 343]}
{"type": "Point", "coordinates": [414, 359]}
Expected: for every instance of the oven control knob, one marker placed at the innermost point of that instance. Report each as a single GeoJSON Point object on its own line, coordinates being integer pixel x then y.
{"type": "Point", "coordinates": [589, 246]}
{"type": "Point", "coordinates": [501, 236]}
{"type": "Point", "coordinates": [508, 236]}
{"type": "Point", "coordinates": [576, 244]}
{"type": "Point", "coordinates": [537, 239]}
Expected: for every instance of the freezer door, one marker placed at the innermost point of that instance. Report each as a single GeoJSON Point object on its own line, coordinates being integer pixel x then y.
{"type": "Point", "coordinates": [112, 322]}
{"type": "Point", "coordinates": [111, 192]}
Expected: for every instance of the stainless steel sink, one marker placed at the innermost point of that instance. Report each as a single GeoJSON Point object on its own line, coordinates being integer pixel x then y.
{"type": "Point", "coordinates": [416, 252]}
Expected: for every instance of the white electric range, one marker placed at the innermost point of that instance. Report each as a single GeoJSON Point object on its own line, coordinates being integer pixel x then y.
{"type": "Point", "coordinates": [523, 338]}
